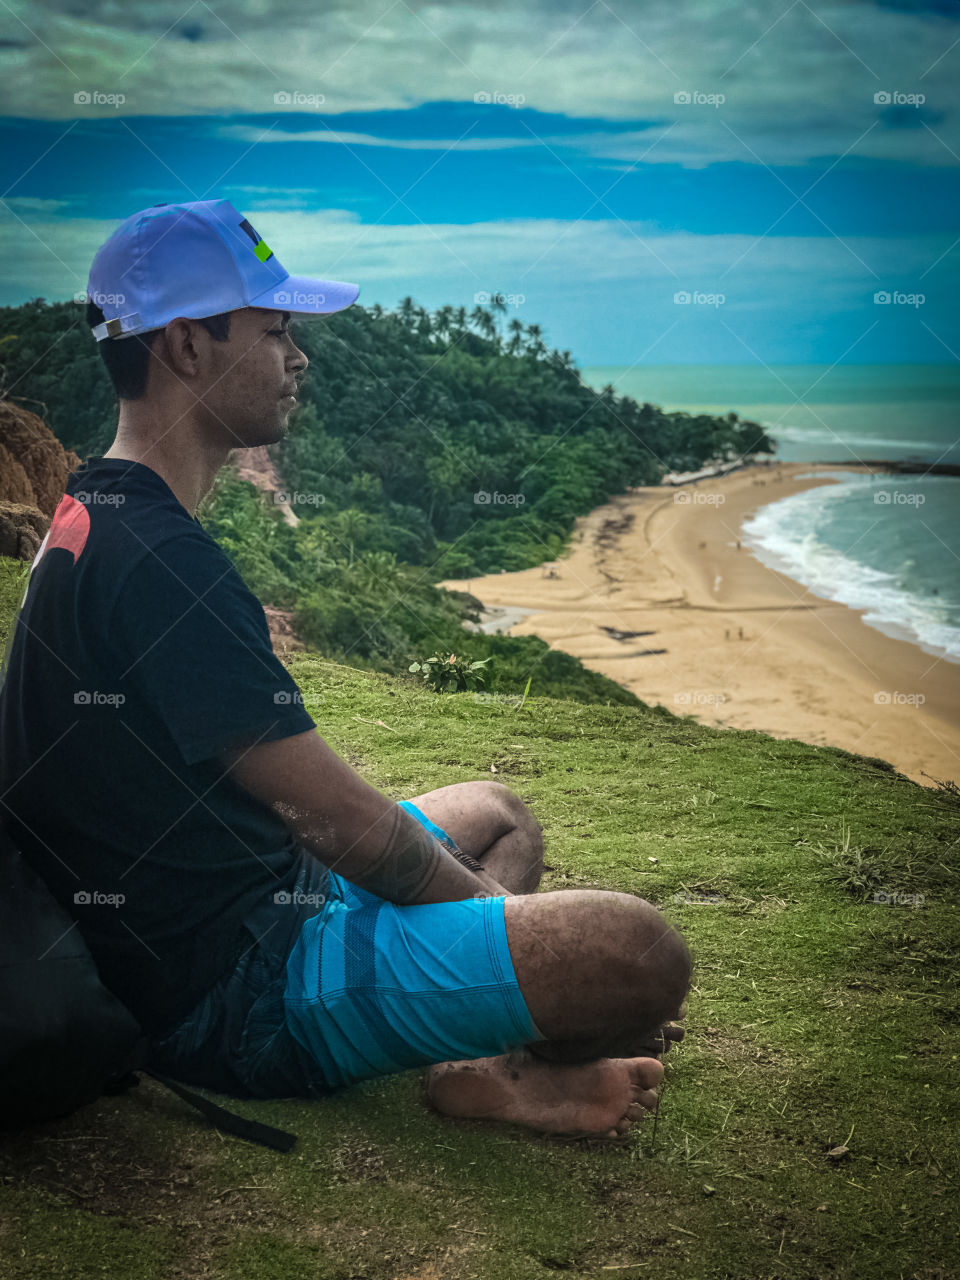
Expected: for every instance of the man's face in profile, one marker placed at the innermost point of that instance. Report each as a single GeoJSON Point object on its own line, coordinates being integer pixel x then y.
{"type": "Point", "coordinates": [250, 377]}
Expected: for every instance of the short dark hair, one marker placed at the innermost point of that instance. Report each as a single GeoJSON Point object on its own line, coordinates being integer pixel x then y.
{"type": "Point", "coordinates": [127, 359]}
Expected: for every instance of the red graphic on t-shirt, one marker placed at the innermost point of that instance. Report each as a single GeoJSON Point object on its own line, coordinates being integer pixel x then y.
{"type": "Point", "coordinates": [69, 528]}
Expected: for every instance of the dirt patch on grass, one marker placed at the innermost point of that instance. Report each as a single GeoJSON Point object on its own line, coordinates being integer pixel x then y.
{"type": "Point", "coordinates": [355, 1160]}
{"type": "Point", "coordinates": [122, 1158]}
{"type": "Point", "coordinates": [737, 1052]}
{"type": "Point", "coordinates": [372, 1248]}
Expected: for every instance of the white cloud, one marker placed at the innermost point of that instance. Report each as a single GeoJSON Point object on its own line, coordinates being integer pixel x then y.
{"type": "Point", "coordinates": [25, 205]}
{"type": "Point", "coordinates": [51, 257]}
{"type": "Point", "coordinates": [603, 289]}
{"type": "Point", "coordinates": [250, 133]}
{"type": "Point", "coordinates": [798, 83]}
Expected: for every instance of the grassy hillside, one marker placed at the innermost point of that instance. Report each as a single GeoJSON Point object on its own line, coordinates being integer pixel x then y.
{"type": "Point", "coordinates": [819, 1019]}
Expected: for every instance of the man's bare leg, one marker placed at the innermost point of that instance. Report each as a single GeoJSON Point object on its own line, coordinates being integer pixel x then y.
{"type": "Point", "coordinates": [492, 824]}
{"type": "Point", "coordinates": [599, 972]}
{"type": "Point", "coordinates": [625, 973]}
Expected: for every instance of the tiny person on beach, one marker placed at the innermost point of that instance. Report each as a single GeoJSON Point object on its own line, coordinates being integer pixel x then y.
{"type": "Point", "coordinates": [279, 927]}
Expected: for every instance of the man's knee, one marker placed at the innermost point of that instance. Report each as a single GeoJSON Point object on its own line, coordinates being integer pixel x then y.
{"type": "Point", "coordinates": [621, 962]}
{"type": "Point", "coordinates": [518, 810]}
{"type": "Point", "coordinates": [664, 966]}
{"type": "Point", "coordinates": [516, 814]}
{"type": "Point", "coordinates": [653, 960]}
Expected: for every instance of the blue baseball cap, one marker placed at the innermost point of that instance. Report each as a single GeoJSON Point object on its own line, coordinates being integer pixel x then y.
{"type": "Point", "coordinates": [196, 260]}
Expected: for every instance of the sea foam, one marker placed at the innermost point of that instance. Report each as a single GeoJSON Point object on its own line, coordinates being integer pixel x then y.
{"type": "Point", "coordinates": [786, 535]}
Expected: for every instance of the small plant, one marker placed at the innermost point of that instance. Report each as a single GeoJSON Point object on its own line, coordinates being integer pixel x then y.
{"type": "Point", "coordinates": [851, 866]}
{"type": "Point", "coordinates": [945, 789]}
{"type": "Point", "coordinates": [447, 673]}
{"type": "Point", "coordinates": [526, 690]}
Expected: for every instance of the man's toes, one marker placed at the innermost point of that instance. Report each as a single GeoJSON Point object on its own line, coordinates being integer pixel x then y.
{"type": "Point", "coordinates": [637, 1111]}
{"type": "Point", "coordinates": [646, 1073]}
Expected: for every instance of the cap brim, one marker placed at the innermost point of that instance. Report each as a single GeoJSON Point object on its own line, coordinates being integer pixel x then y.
{"type": "Point", "coordinates": [304, 296]}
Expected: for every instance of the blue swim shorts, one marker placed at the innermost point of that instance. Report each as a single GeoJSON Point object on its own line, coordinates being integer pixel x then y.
{"type": "Point", "coordinates": [374, 988]}
{"type": "Point", "coordinates": [366, 989]}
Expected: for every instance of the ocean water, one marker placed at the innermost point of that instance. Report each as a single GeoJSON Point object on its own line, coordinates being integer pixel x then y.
{"type": "Point", "coordinates": [889, 545]}
{"type": "Point", "coordinates": [878, 543]}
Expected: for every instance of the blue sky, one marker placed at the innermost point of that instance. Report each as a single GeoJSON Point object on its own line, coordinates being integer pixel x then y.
{"type": "Point", "coordinates": [779, 167]}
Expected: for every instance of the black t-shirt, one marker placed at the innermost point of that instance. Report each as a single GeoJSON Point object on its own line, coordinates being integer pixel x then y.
{"type": "Point", "coordinates": [137, 655]}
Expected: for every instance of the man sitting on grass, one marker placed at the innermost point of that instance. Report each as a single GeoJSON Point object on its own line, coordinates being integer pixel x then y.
{"type": "Point", "coordinates": [279, 926]}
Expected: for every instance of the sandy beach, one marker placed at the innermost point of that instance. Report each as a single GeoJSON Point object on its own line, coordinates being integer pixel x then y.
{"type": "Point", "coordinates": [655, 593]}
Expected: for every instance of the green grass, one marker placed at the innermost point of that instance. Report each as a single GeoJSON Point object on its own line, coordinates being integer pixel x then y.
{"type": "Point", "coordinates": [818, 1018]}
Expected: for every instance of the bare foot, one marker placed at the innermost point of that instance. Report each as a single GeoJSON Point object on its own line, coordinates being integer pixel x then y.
{"type": "Point", "coordinates": [588, 1099]}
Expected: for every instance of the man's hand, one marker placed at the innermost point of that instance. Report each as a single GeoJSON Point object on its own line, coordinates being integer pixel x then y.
{"type": "Point", "coordinates": [350, 826]}
{"type": "Point", "coordinates": [413, 866]}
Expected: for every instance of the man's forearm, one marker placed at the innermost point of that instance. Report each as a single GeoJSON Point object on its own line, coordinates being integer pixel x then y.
{"type": "Point", "coordinates": [350, 826]}
{"type": "Point", "coordinates": [399, 860]}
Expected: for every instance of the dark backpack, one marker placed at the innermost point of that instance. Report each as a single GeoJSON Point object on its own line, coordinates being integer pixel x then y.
{"type": "Point", "coordinates": [64, 1038]}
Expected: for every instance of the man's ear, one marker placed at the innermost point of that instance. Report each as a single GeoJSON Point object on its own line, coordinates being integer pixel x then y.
{"type": "Point", "coordinates": [177, 347]}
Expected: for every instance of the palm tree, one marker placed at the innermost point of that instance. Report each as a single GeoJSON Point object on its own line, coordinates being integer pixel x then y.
{"type": "Point", "coordinates": [351, 525]}
{"type": "Point", "coordinates": [424, 323]}
{"type": "Point", "coordinates": [443, 319]}
{"type": "Point", "coordinates": [516, 341]}
{"type": "Point", "coordinates": [318, 544]}
{"type": "Point", "coordinates": [407, 310]}
{"type": "Point", "coordinates": [445, 473]}
{"type": "Point", "coordinates": [536, 346]}
{"type": "Point", "coordinates": [377, 570]}
{"type": "Point", "coordinates": [498, 303]}
{"type": "Point", "coordinates": [484, 322]}
{"type": "Point", "coordinates": [562, 361]}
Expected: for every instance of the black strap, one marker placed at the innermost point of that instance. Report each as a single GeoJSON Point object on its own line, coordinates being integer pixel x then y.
{"type": "Point", "coordinates": [250, 1130]}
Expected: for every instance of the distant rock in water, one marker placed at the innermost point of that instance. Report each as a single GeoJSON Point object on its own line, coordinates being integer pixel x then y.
{"type": "Point", "coordinates": [34, 467]}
